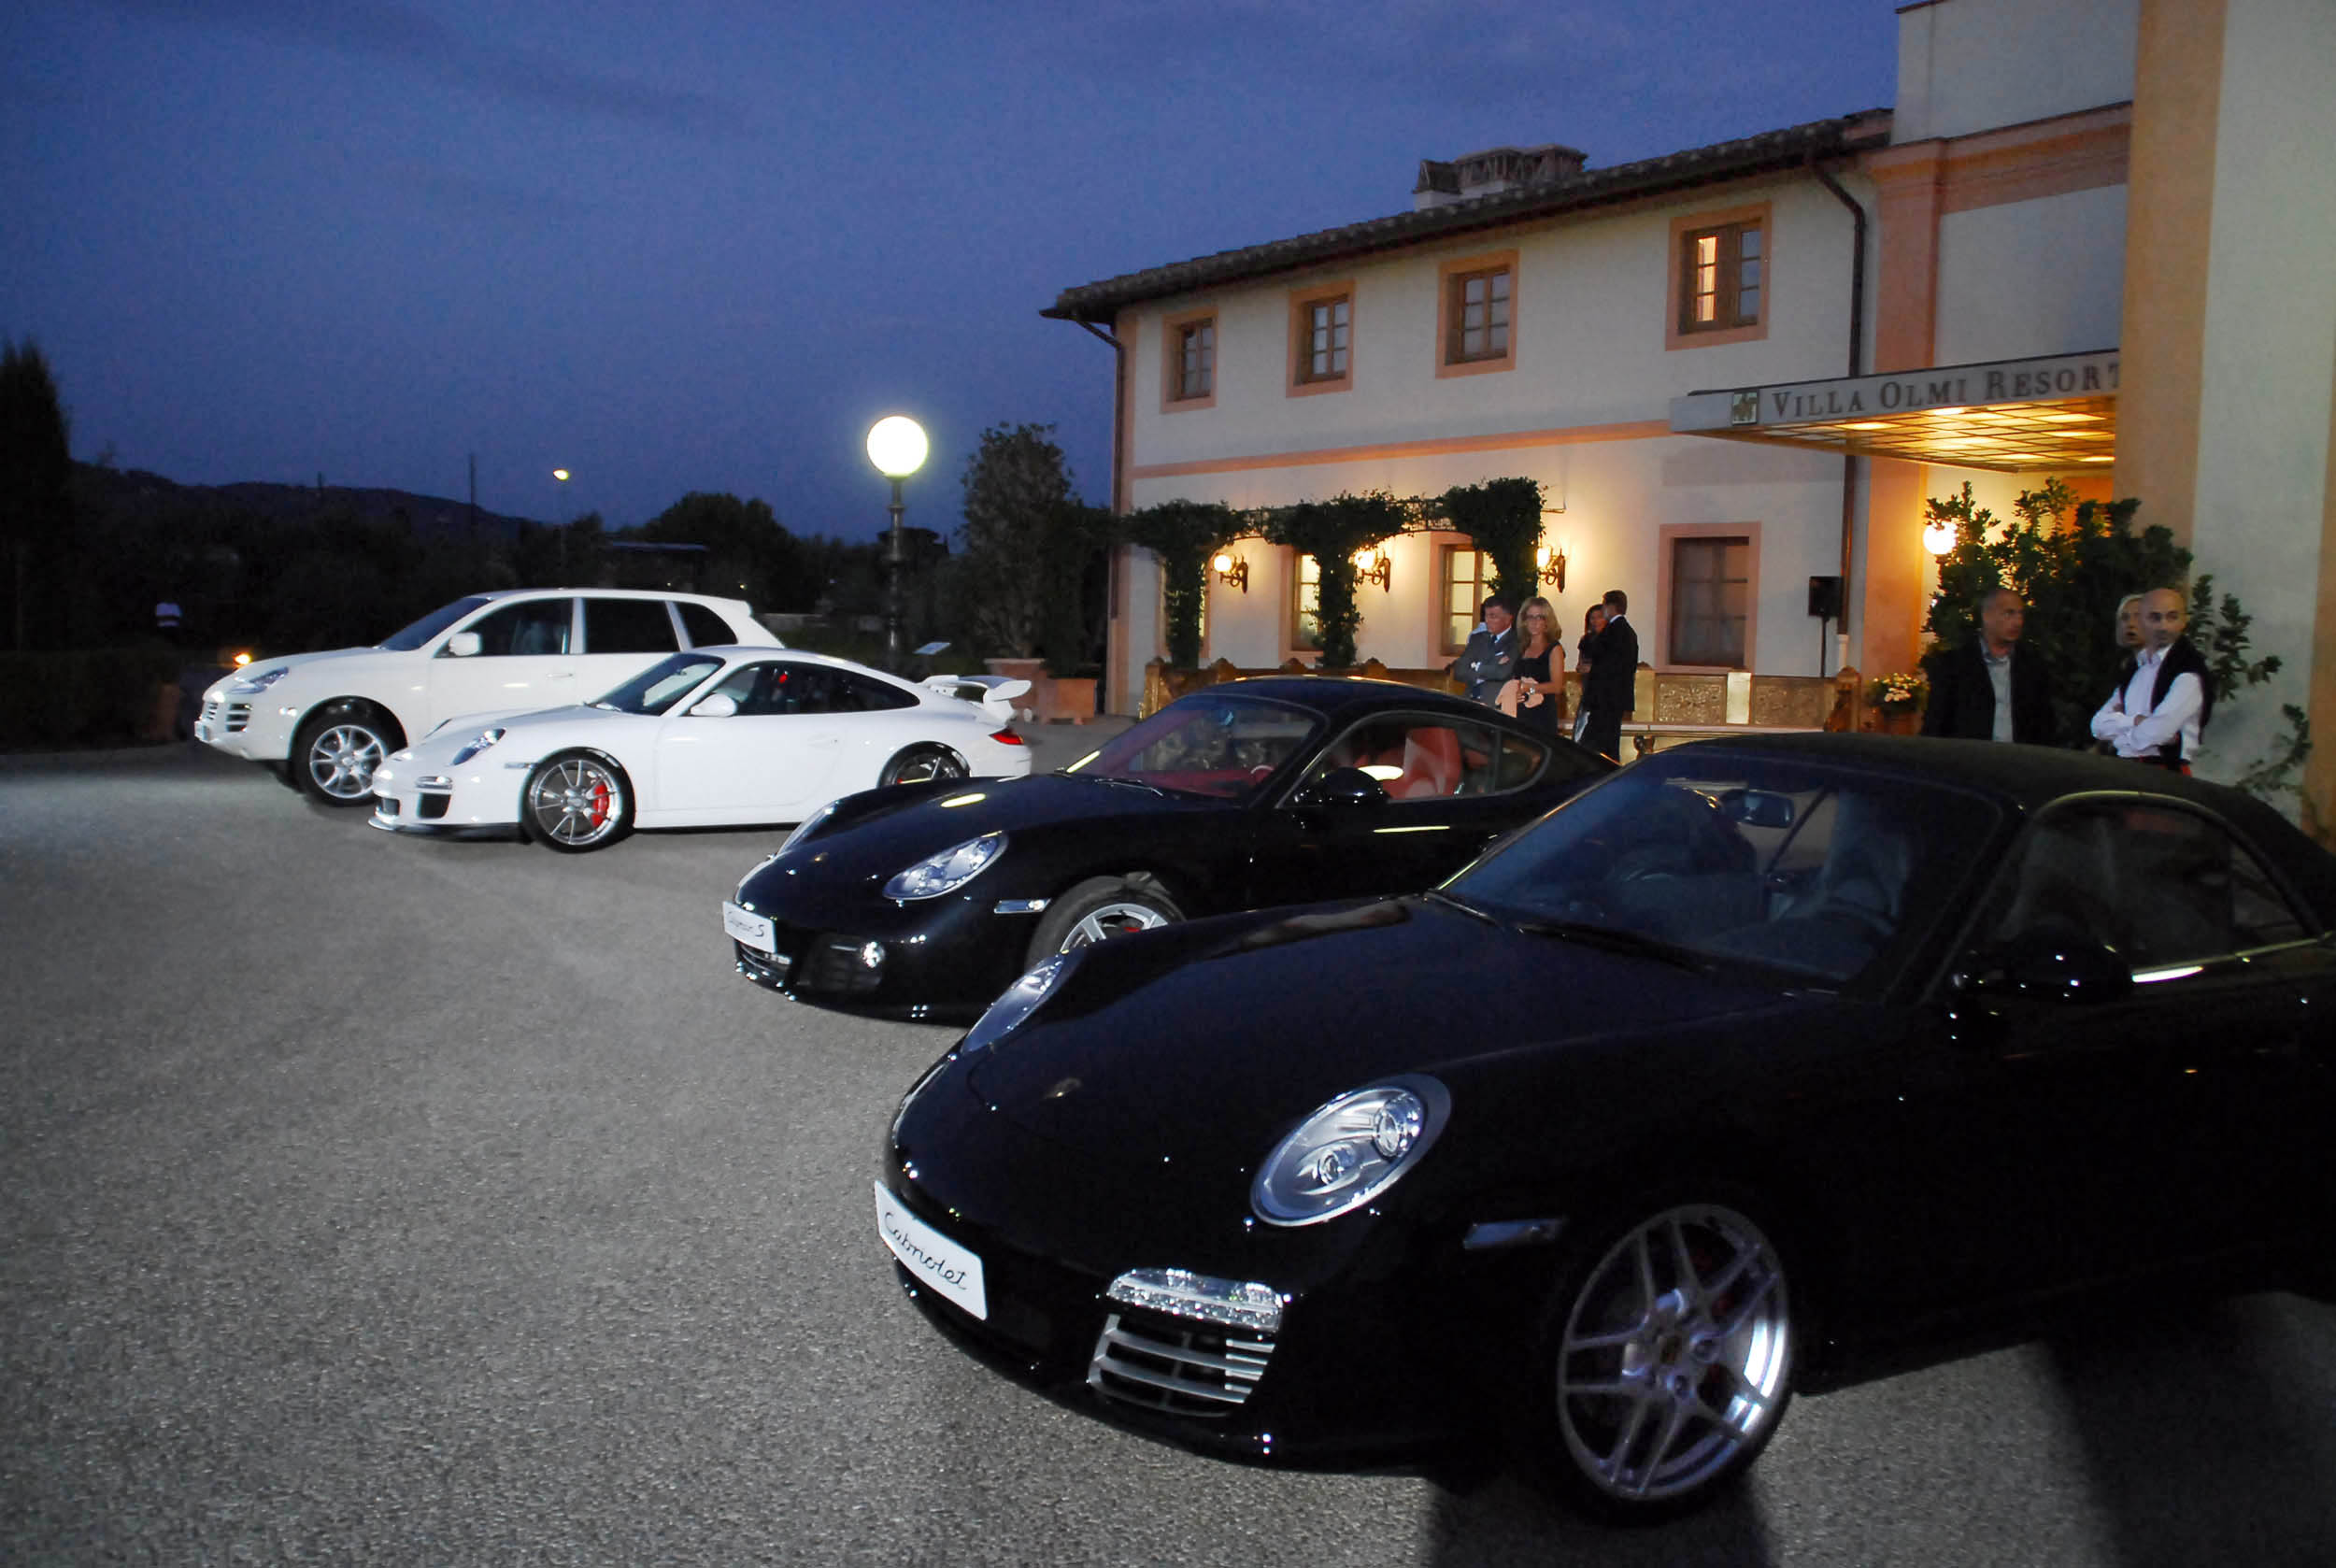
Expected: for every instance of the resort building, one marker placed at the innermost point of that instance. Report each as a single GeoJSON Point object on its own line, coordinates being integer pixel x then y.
{"type": "Point", "coordinates": [2091, 238]}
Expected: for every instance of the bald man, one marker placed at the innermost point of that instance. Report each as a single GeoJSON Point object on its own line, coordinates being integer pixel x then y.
{"type": "Point", "coordinates": [2161, 702]}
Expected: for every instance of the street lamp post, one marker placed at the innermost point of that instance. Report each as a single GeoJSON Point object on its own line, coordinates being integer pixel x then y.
{"type": "Point", "coordinates": [897, 446]}
{"type": "Point", "coordinates": [560, 522]}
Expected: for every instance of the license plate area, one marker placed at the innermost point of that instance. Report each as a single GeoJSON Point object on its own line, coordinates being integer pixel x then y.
{"type": "Point", "coordinates": [932, 1259]}
{"type": "Point", "coordinates": [754, 930]}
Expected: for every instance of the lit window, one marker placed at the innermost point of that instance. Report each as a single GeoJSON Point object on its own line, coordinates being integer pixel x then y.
{"type": "Point", "coordinates": [1720, 277]}
{"type": "Point", "coordinates": [1464, 591]}
{"type": "Point", "coordinates": [1305, 604]}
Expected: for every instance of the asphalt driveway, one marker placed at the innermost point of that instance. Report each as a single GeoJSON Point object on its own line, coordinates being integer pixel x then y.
{"type": "Point", "coordinates": [370, 1199]}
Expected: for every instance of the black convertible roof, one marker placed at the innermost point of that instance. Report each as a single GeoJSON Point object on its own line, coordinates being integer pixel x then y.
{"type": "Point", "coordinates": [2027, 777]}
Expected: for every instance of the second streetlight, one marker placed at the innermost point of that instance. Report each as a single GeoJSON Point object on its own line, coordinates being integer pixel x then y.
{"type": "Point", "coordinates": [897, 446]}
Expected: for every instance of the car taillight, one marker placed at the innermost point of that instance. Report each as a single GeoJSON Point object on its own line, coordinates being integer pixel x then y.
{"type": "Point", "coordinates": [1007, 738]}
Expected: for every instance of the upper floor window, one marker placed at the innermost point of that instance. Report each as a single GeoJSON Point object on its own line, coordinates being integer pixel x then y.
{"type": "Point", "coordinates": [1475, 315]}
{"type": "Point", "coordinates": [1719, 284]}
{"type": "Point", "coordinates": [1189, 352]}
{"type": "Point", "coordinates": [1321, 330]}
{"type": "Point", "coordinates": [1196, 360]}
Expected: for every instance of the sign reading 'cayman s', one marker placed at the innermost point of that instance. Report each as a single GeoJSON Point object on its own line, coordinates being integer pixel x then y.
{"type": "Point", "coordinates": [1962, 386]}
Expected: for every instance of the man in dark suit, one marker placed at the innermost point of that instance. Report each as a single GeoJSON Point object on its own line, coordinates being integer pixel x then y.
{"type": "Point", "coordinates": [1610, 688]}
{"type": "Point", "coordinates": [1991, 688]}
{"type": "Point", "coordinates": [1488, 661]}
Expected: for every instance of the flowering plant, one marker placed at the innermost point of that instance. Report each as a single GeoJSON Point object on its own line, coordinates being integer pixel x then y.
{"type": "Point", "coordinates": [1899, 693]}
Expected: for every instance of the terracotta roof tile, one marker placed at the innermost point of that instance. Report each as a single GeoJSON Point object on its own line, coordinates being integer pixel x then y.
{"type": "Point", "coordinates": [1767, 152]}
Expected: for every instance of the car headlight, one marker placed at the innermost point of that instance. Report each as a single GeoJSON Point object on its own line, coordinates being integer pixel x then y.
{"type": "Point", "coordinates": [1349, 1151]}
{"type": "Point", "coordinates": [1020, 999]}
{"type": "Point", "coordinates": [804, 828]}
{"type": "Point", "coordinates": [476, 744]}
{"type": "Point", "coordinates": [947, 871]}
{"type": "Point", "coordinates": [247, 684]}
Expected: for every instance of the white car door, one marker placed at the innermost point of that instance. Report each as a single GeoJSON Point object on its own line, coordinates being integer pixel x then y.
{"type": "Point", "coordinates": [762, 763]}
{"type": "Point", "coordinates": [524, 660]}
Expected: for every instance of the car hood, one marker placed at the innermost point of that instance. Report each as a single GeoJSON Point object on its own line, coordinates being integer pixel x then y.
{"type": "Point", "coordinates": [907, 826]}
{"type": "Point", "coordinates": [1220, 1035]}
{"type": "Point", "coordinates": [297, 662]}
{"type": "Point", "coordinates": [523, 729]}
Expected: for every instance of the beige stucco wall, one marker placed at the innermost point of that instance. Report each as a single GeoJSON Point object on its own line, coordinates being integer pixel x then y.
{"type": "Point", "coordinates": [1966, 66]}
{"type": "Point", "coordinates": [1588, 319]}
{"type": "Point", "coordinates": [2264, 394]}
{"type": "Point", "coordinates": [2031, 279]}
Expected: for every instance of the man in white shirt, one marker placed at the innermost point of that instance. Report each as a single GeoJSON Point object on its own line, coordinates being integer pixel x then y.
{"type": "Point", "coordinates": [2160, 704]}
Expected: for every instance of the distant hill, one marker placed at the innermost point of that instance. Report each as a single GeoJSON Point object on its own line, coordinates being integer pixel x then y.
{"type": "Point", "coordinates": [134, 491]}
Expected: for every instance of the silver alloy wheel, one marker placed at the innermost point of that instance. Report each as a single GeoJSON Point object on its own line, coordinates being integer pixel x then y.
{"type": "Point", "coordinates": [341, 759]}
{"type": "Point", "coordinates": [575, 801]}
{"type": "Point", "coordinates": [1120, 918]}
{"type": "Point", "coordinates": [1675, 1354]}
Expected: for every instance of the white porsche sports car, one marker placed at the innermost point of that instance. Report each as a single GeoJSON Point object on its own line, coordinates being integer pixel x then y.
{"type": "Point", "coordinates": [708, 737]}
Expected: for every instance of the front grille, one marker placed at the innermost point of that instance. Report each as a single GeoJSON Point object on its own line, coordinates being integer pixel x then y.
{"type": "Point", "coordinates": [1184, 1369]}
{"type": "Point", "coordinates": [429, 808]}
{"type": "Point", "coordinates": [211, 707]}
{"type": "Point", "coordinates": [238, 717]}
{"type": "Point", "coordinates": [385, 806]}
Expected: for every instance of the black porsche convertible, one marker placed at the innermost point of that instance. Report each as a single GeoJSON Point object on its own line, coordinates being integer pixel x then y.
{"type": "Point", "coordinates": [926, 900]}
{"type": "Point", "coordinates": [1755, 1058]}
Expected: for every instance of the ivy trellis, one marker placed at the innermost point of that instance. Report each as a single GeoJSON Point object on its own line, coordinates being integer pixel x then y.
{"type": "Point", "coordinates": [1502, 516]}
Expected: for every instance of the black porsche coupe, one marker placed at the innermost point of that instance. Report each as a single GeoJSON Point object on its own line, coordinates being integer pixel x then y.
{"type": "Point", "coordinates": [1754, 1058]}
{"type": "Point", "coordinates": [926, 900]}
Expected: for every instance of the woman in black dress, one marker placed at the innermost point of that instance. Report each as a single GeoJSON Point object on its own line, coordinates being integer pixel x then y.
{"type": "Point", "coordinates": [1540, 666]}
{"type": "Point", "coordinates": [1592, 624]}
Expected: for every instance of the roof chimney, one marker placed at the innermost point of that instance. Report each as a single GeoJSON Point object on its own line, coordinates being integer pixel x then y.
{"type": "Point", "coordinates": [1491, 172]}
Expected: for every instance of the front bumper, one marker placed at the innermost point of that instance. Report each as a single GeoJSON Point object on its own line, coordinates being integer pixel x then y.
{"type": "Point", "coordinates": [1389, 1335]}
{"type": "Point", "coordinates": [1345, 1383]}
{"type": "Point", "coordinates": [250, 726]}
{"type": "Point", "coordinates": [409, 797]}
{"type": "Point", "coordinates": [941, 958]}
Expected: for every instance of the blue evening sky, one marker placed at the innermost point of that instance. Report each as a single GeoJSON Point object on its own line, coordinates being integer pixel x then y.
{"type": "Point", "coordinates": [702, 245]}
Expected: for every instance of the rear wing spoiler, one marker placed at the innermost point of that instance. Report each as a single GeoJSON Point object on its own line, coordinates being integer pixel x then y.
{"type": "Point", "coordinates": [994, 694]}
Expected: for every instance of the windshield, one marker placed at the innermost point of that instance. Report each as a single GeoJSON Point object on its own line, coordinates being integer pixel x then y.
{"type": "Point", "coordinates": [661, 685]}
{"type": "Point", "coordinates": [1781, 862]}
{"type": "Point", "coordinates": [429, 626]}
{"type": "Point", "coordinates": [1207, 744]}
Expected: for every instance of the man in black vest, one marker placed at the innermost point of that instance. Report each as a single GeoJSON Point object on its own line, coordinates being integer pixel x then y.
{"type": "Point", "coordinates": [1610, 688]}
{"type": "Point", "coordinates": [1991, 688]}
{"type": "Point", "coordinates": [2162, 700]}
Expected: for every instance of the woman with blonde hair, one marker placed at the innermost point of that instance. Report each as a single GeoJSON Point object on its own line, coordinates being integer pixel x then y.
{"type": "Point", "coordinates": [1537, 695]}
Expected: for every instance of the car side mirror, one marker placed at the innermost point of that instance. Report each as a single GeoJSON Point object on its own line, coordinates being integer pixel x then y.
{"type": "Point", "coordinates": [2048, 968]}
{"type": "Point", "coordinates": [463, 645]}
{"type": "Point", "coordinates": [1343, 787]}
{"type": "Point", "coordinates": [721, 705]}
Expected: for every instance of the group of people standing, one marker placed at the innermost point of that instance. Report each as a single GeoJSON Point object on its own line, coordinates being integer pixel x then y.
{"type": "Point", "coordinates": [1515, 661]}
{"type": "Point", "coordinates": [1994, 689]}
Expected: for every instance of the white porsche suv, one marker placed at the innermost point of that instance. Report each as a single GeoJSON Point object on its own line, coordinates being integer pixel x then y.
{"type": "Point", "coordinates": [325, 720]}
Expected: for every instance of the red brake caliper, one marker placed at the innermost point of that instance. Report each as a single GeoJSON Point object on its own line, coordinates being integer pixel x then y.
{"type": "Point", "coordinates": [600, 802]}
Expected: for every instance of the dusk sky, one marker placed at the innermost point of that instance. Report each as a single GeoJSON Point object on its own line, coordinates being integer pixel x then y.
{"type": "Point", "coordinates": [702, 245]}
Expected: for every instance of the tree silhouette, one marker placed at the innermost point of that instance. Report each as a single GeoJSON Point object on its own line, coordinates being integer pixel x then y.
{"type": "Point", "coordinates": [35, 509]}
